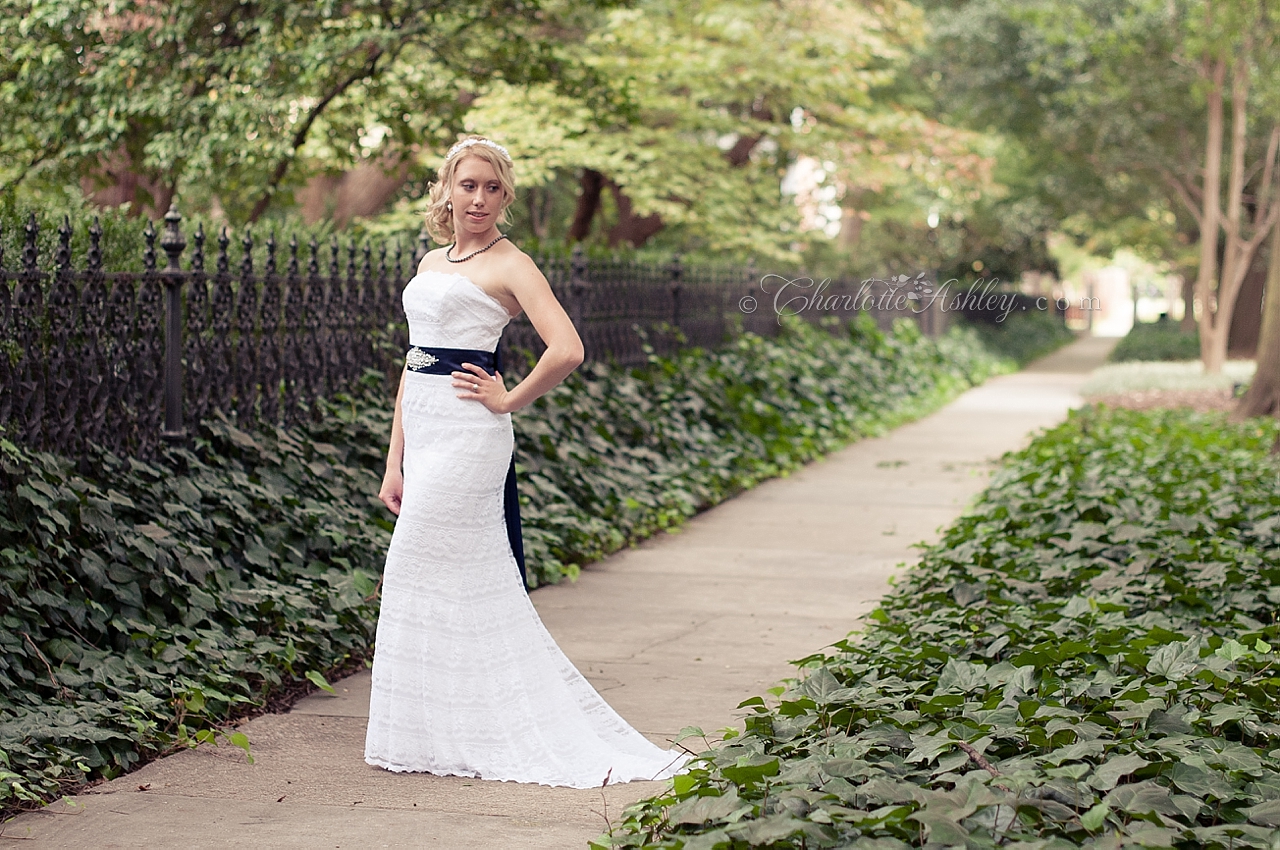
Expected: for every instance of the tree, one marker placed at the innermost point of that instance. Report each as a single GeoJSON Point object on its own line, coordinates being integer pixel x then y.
{"type": "Point", "coordinates": [1076, 146]}
{"type": "Point", "coordinates": [1263, 396]}
{"type": "Point", "coordinates": [727, 95]}
{"type": "Point", "coordinates": [1235, 35]}
{"type": "Point", "coordinates": [1122, 109]}
{"type": "Point", "coordinates": [243, 100]}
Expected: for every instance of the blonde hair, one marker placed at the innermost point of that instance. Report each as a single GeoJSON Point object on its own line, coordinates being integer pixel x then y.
{"type": "Point", "coordinates": [439, 217]}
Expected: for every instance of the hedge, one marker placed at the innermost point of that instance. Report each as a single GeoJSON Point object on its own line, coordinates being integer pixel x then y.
{"type": "Point", "coordinates": [1161, 340]}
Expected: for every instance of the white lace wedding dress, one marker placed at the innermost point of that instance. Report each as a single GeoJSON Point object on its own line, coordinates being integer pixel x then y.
{"type": "Point", "coordinates": [466, 679]}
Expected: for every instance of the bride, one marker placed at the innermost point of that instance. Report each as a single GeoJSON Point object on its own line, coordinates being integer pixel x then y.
{"type": "Point", "coordinates": [466, 679]}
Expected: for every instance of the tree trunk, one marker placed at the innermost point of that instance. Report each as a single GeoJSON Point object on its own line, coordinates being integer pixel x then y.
{"type": "Point", "coordinates": [1263, 396]}
{"type": "Point", "coordinates": [114, 182]}
{"type": "Point", "coordinates": [1188, 323]}
{"type": "Point", "coordinates": [592, 183]}
{"type": "Point", "coordinates": [1207, 277]}
{"type": "Point", "coordinates": [362, 191]}
{"type": "Point", "coordinates": [1246, 321]}
{"type": "Point", "coordinates": [538, 200]}
{"type": "Point", "coordinates": [1187, 274]}
{"type": "Point", "coordinates": [740, 154]}
{"type": "Point", "coordinates": [1238, 253]}
{"type": "Point", "coordinates": [852, 219]}
{"type": "Point", "coordinates": [630, 227]}
{"type": "Point", "coordinates": [851, 223]}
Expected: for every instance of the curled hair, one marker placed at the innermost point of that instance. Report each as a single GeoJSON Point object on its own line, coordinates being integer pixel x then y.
{"type": "Point", "coordinates": [439, 218]}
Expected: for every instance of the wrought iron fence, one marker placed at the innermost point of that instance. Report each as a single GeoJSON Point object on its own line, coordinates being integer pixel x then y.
{"type": "Point", "coordinates": [123, 359]}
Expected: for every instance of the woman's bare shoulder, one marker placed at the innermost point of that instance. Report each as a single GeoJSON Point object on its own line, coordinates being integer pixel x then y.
{"type": "Point", "coordinates": [433, 259]}
{"type": "Point", "coordinates": [517, 267]}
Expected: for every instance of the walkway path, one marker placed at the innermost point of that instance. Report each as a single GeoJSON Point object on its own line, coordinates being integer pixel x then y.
{"type": "Point", "coordinates": [675, 632]}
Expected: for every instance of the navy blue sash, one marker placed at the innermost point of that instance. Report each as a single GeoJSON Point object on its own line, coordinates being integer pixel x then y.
{"type": "Point", "coordinates": [443, 361]}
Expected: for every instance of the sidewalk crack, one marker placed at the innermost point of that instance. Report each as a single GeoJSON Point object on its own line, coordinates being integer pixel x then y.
{"type": "Point", "coordinates": [697, 625]}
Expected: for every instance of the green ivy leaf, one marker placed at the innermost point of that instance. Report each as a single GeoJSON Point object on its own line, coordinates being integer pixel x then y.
{"type": "Point", "coordinates": [317, 679]}
{"type": "Point", "coordinates": [1232, 650]}
{"type": "Point", "coordinates": [1175, 661]}
{"type": "Point", "coordinates": [241, 740]}
{"type": "Point", "coordinates": [751, 771]}
{"type": "Point", "coordinates": [1264, 814]}
{"type": "Point", "coordinates": [1093, 819]}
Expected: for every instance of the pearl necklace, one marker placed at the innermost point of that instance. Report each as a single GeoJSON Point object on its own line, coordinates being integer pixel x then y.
{"type": "Point", "coordinates": [501, 236]}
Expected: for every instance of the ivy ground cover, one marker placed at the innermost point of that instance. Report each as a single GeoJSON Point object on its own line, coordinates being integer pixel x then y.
{"type": "Point", "coordinates": [1087, 658]}
{"type": "Point", "coordinates": [143, 605]}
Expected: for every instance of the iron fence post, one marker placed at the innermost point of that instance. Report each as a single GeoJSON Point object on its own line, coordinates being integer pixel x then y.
{"type": "Point", "coordinates": [924, 316]}
{"type": "Point", "coordinates": [424, 245]}
{"type": "Point", "coordinates": [173, 243]}
{"type": "Point", "coordinates": [939, 316]}
{"type": "Point", "coordinates": [677, 276]}
{"type": "Point", "coordinates": [30, 303]}
{"type": "Point", "coordinates": [577, 285]}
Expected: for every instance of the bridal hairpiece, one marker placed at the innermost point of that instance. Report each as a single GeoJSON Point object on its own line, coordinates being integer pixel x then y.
{"type": "Point", "coordinates": [466, 143]}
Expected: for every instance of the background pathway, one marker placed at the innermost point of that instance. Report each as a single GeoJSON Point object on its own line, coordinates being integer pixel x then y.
{"type": "Point", "coordinates": [675, 632]}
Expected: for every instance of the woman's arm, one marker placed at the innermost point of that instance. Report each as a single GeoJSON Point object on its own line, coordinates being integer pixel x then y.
{"type": "Point", "coordinates": [564, 347]}
{"type": "Point", "coordinates": [393, 482]}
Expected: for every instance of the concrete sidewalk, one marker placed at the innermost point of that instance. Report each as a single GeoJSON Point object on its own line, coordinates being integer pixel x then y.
{"type": "Point", "coordinates": [673, 633]}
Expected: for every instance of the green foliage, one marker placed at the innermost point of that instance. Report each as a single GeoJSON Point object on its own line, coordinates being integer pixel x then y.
{"type": "Point", "coordinates": [1105, 105]}
{"type": "Point", "coordinates": [143, 604]}
{"type": "Point", "coordinates": [1162, 340]}
{"type": "Point", "coordinates": [611, 455]}
{"type": "Point", "coordinates": [221, 99]}
{"type": "Point", "coordinates": [1023, 337]}
{"type": "Point", "coordinates": [1087, 658]}
{"type": "Point", "coordinates": [717, 119]}
{"type": "Point", "coordinates": [682, 106]}
{"type": "Point", "coordinates": [122, 243]}
{"type": "Point", "coordinates": [1091, 102]}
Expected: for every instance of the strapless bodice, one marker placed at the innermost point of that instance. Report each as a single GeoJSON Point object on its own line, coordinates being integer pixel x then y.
{"type": "Point", "coordinates": [448, 310]}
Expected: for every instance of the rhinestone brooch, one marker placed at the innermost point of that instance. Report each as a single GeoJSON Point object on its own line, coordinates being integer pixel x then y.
{"type": "Point", "coordinates": [419, 359]}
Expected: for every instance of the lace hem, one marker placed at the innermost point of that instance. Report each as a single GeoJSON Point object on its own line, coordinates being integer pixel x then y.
{"type": "Point", "coordinates": [665, 773]}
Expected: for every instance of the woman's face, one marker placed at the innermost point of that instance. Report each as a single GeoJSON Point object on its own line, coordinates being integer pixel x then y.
{"type": "Point", "coordinates": [477, 196]}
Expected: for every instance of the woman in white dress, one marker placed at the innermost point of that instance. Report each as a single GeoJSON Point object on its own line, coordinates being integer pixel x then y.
{"type": "Point", "coordinates": [466, 679]}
